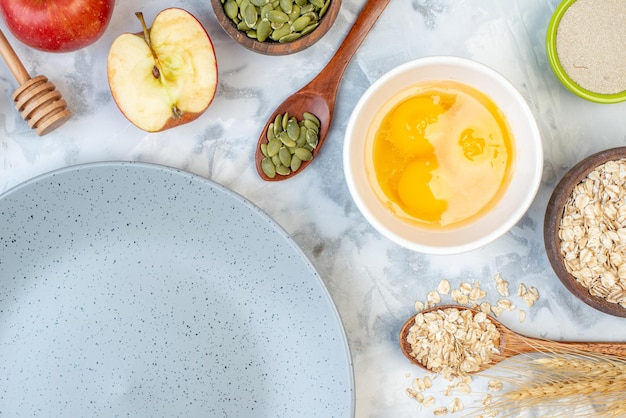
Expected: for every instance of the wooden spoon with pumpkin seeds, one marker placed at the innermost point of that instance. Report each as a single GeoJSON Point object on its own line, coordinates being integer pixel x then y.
{"type": "Point", "coordinates": [319, 95]}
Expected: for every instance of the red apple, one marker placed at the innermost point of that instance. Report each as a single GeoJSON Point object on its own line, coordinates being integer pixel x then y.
{"type": "Point", "coordinates": [57, 25]}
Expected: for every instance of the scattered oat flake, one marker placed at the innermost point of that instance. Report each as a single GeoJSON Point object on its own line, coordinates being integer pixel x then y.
{"type": "Point", "coordinates": [497, 310]}
{"type": "Point", "coordinates": [463, 299]}
{"type": "Point", "coordinates": [494, 385]}
{"type": "Point", "coordinates": [456, 405]}
{"type": "Point", "coordinates": [465, 288]}
{"type": "Point", "coordinates": [419, 306]}
{"type": "Point", "coordinates": [464, 388]}
{"type": "Point", "coordinates": [502, 286]}
{"type": "Point", "coordinates": [428, 401]}
{"type": "Point", "coordinates": [440, 410]}
{"type": "Point", "coordinates": [485, 307]}
{"type": "Point", "coordinates": [477, 294]}
{"type": "Point", "coordinates": [506, 304]}
{"type": "Point", "coordinates": [433, 298]}
{"type": "Point", "coordinates": [444, 287]}
{"type": "Point", "coordinates": [522, 315]}
{"type": "Point", "coordinates": [418, 385]}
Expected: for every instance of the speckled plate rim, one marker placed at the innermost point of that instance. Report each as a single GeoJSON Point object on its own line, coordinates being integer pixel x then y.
{"type": "Point", "coordinates": [552, 217]}
{"type": "Point", "coordinates": [558, 70]}
{"type": "Point", "coordinates": [340, 398]}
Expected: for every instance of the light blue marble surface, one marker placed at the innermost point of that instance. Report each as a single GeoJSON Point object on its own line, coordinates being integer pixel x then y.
{"type": "Point", "coordinates": [374, 282]}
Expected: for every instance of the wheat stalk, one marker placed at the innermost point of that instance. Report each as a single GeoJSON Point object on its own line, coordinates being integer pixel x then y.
{"type": "Point", "coordinates": [575, 384]}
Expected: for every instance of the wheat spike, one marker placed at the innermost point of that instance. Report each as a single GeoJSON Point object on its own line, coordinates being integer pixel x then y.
{"type": "Point", "coordinates": [576, 384]}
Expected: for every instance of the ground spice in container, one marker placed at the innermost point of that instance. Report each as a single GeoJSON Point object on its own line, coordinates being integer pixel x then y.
{"type": "Point", "coordinates": [591, 44]}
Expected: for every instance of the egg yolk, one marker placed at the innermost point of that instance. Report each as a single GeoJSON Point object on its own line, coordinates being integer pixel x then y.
{"type": "Point", "coordinates": [442, 154]}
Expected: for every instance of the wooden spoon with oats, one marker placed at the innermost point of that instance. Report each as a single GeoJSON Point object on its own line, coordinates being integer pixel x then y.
{"type": "Point", "coordinates": [456, 340]}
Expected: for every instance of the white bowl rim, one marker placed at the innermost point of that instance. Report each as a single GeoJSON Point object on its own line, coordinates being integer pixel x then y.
{"type": "Point", "coordinates": [532, 177]}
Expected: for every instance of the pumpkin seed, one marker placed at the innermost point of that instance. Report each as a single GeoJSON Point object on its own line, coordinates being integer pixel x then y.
{"type": "Point", "coordinates": [312, 118]}
{"type": "Point", "coordinates": [284, 138]}
{"type": "Point", "coordinates": [289, 143]}
{"type": "Point", "coordinates": [300, 23]}
{"type": "Point", "coordinates": [324, 8]}
{"type": "Point", "coordinates": [263, 30]}
{"type": "Point", "coordinates": [277, 25]}
{"type": "Point", "coordinates": [309, 124]}
{"type": "Point", "coordinates": [273, 146]}
{"type": "Point", "coordinates": [270, 132]}
{"type": "Point", "coordinates": [285, 157]}
{"type": "Point", "coordinates": [277, 16]}
{"type": "Point", "coordinates": [276, 20]}
{"type": "Point", "coordinates": [265, 10]}
{"type": "Point", "coordinates": [295, 163]}
{"type": "Point", "coordinates": [282, 170]}
{"type": "Point", "coordinates": [311, 138]}
{"type": "Point", "coordinates": [280, 32]}
{"type": "Point", "coordinates": [302, 137]}
{"type": "Point", "coordinates": [250, 15]}
{"type": "Point", "coordinates": [268, 168]}
{"type": "Point", "coordinates": [286, 5]}
{"type": "Point", "coordinates": [289, 37]}
{"type": "Point", "coordinates": [293, 129]}
{"type": "Point", "coordinates": [306, 8]}
{"type": "Point", "coordinates": [285, 121]}
{"type": "Point", "coordinates": [243, 27]}
{"type": "Point", "coordinates": [231, 8]}
{"type": "Point", "coordinates": [278, 124]}
{"type": "Point", "coordinates": [309, 28]}
{"type": "Point", "coordinates": [304, 154]}
{"type": "Point", "coordinates": [295, 13]}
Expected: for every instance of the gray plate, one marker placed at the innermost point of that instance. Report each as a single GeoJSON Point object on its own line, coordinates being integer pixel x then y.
{"type": "Point", "coordinates": [138, 290]}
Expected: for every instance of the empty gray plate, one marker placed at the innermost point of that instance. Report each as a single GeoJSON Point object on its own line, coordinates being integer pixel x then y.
{"type": "Point", "coordinates": [129, 289]}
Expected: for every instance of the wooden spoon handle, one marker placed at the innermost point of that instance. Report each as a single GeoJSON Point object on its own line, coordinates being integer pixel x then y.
{"type": "Point", "coordinates": [527, 344]}
{"type": "Point", "coordinates": [330, 76]}
{"type": "Point", "coordinates": [12, 60]}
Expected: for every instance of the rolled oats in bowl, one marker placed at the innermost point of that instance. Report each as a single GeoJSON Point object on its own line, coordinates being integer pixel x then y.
{"type": "Point", "coordinates": [585, 231]}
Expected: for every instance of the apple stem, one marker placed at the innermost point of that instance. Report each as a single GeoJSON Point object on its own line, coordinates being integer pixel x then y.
{"type": "Point", "coordinates": [146, 36]}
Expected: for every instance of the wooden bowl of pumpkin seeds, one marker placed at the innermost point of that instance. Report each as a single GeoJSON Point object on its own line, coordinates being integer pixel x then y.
{"type": "Point", "coordinates": [276, 27]}
{"type": "Point", "coordinates": [585, 231]}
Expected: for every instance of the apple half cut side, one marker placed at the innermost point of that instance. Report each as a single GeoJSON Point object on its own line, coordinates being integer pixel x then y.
{"type": "Point", "coordinates": [164, 76]}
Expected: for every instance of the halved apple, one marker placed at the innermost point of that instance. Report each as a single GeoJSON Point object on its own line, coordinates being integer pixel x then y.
{"type": "Point", "coordinates": [164, 76]}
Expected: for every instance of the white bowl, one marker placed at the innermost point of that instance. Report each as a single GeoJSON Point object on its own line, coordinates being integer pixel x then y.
{"type": "Point", "coordinates": [526, 171]}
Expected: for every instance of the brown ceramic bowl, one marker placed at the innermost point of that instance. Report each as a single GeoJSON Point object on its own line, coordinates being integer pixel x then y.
{"type": "Point", "coordinates": [270, 47]}
{"type": "Point", "coordinates": [552, 222]}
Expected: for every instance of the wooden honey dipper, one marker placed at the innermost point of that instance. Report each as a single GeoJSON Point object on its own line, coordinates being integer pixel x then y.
{"type": "Point", "coordinates": [37, 99]}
